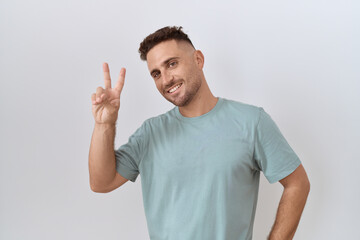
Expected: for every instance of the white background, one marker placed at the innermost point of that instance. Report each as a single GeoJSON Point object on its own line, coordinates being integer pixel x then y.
{"type": "Point", "coordinates": [298, 60]}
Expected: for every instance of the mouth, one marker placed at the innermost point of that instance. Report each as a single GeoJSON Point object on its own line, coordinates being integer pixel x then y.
{"type": "Point", "coordinates": [175, 88]}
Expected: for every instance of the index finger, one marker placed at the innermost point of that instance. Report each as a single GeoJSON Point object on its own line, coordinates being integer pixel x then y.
{"type": "Point", "coordinates": [107, 78]}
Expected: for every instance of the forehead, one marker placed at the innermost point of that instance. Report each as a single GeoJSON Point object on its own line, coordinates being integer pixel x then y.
{"type": "Point", "coordinates": [165, 50]}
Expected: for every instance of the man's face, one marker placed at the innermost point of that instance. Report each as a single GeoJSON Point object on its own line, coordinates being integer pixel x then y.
{"type": "Point", "coordinates": [177, 70]}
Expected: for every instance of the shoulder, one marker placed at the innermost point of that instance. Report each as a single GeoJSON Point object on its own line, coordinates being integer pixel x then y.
{"type": "Point", "coordinates": [241, 109]}
{"type": "Point", "coordinates": [160, 120]}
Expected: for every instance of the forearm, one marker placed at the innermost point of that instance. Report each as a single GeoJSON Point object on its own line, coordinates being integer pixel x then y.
{"type": "Point", "coordinates": [288, 215]}
{"type": "Point", "coordinates": [102, 156]}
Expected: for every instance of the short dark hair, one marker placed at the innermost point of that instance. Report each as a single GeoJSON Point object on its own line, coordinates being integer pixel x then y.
{"type": "Point", "coordinates": [161, 35]}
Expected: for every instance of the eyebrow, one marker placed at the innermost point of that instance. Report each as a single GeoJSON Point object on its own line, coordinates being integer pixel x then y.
{"type": "Point", "coordinates": [163, 63]}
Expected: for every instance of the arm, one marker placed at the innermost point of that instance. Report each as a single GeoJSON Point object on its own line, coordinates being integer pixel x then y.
{"type": "Point", "coordinates": [105, 107]}
{"type": "Point", "coordinates": [102, 167]}
{"type": "Point", "coordinates": [292, 202]}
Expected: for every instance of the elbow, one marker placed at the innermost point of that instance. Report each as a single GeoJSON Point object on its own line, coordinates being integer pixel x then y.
{"type": "Point", "coordinates": [94, 189]}
{"type": "Point", "coordinates": [98, 189]}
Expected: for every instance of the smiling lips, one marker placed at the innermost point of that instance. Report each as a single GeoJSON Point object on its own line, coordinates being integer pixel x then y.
{"type": "Point", "coordinates": [172, 90]}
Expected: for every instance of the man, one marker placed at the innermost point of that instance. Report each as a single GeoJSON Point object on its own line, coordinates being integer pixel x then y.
{"type": "Point", "coordinates": [199, 162]}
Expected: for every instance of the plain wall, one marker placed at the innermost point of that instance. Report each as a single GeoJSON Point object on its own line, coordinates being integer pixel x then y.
{"type": "Point", "coordinates": [298, 60]}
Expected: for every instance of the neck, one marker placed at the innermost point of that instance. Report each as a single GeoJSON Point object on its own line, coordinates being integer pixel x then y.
{"type": "Point", "coordinates": [202, 103]}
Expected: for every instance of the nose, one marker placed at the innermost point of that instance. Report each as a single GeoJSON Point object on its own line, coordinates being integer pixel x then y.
{"type": "Point", "coordinates": [167, 78]}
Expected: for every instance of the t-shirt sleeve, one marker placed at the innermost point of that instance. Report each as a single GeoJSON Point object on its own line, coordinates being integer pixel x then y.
{"type": "Point", "coordinates": [272, 152]}
{"type": "Point", "coordinates": [129, 155]}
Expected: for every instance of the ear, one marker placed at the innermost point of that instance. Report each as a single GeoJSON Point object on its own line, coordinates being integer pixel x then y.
{"type": "Point", "coordinates": [199, 58]}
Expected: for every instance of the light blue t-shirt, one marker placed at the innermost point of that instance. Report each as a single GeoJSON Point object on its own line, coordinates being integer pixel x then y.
{"type": "Point", "coordinates": [200, 175]}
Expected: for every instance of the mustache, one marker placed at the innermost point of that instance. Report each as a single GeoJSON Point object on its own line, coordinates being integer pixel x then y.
{"type": "Point", "coordinates": [173, 83]}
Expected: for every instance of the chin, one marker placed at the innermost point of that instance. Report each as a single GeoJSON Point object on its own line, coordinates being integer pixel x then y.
{"type": "Point", "coordinates": [181, 101]}
{"type": "Point", "coordinates": [184, 99]}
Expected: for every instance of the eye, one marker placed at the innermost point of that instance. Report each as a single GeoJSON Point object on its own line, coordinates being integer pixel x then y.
{"type": "Point", "coordinates": [156, 75]}
{"type": "Point", "coordinates": [172, 64]}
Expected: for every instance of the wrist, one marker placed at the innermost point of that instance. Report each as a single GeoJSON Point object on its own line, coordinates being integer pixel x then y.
{"type": "Point", "coordinates": [105, 125]}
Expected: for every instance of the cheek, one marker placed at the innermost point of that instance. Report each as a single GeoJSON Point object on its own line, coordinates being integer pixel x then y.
{"type": "Point", "coordinates": [158, 86]}
{"type": "Point", "coordinates": [188, 72]}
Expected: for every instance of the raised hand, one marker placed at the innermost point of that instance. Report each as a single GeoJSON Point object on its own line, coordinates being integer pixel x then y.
{"type": "Point", "coordinates": [106, 102]}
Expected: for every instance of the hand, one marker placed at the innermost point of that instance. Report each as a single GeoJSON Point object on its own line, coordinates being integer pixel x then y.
{"type": "Point", "coordinates": [106, 102]}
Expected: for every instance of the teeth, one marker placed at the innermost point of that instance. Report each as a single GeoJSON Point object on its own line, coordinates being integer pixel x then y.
{"type": "Point", "coordinates": [174, 88]}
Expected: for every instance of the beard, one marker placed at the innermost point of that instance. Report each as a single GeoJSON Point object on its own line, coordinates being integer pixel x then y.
{"type": "Point", "coordinates": [190, 92]}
